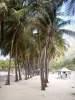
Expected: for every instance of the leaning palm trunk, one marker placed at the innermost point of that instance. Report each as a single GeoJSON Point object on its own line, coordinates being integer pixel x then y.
{"type": "Point", "coordinates": [1, 27]}
{"type": "Point", "coordinates": [26, 74]}
{"type": "Point", "coordinates": [28, 70]}
{"type": "Point", "coordinates": [45, 66]}
{"type": "Point", "coordinates": [16, 75]}
{"type": "Point", "coordinates": [41, 66]}
{"type": "Point", "coordinates": [42, 75]}
{"type": "Point", "coordinates": [30, 67]}
{"type": "Point", "coordinates": [45, 60]}
{"type": "Point", "coordinates": [8, 77]}
{"type": "Point", "coordinates": [46, 48]}
{"type": "Point", "coordinates": [33, 70]}
{"type": "Point", "coordinates": [2, 30]}
{"type": "Point", "coordinates": [25, 68]}
{"type": "Point", "coordinates": [19, 72]}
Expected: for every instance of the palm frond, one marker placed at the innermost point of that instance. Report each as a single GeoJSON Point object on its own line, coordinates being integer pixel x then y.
{"type": "Point", "coordinates": [68, 32]}
{"type": "Point", "coordinates": [3, 7]}
{"type": "Point", "coordinates": [63, 23]}
{"type": "Point", "coordinates": [70, 7]}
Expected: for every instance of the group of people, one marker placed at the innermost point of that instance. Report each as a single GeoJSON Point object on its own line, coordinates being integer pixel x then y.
{"type": "Point", "coordinates": [63, 75]}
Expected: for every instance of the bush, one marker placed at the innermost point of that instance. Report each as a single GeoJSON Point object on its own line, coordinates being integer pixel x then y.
{"type": "Point", "coordinates": [4, 64]}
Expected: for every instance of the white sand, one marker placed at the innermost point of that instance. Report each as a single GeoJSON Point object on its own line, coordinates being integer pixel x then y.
{"type": "Point", "coordinates": [3, 77]}
{"type": "Point", "coordinates": [2, 73]}
{"type": "Point", "coordinates": [57, 89]}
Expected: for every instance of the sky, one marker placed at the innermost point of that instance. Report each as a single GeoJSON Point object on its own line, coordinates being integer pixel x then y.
{"type": "Point", "coordinates": [4, 58]}
{"type": "Point", "coordinates": [70, 39]}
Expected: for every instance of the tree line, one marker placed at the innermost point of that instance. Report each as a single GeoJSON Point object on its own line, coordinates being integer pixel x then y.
{"type": "Point", "coordinates": [68, 63]}
{"type": "Point", "coordinates": [30, 34]}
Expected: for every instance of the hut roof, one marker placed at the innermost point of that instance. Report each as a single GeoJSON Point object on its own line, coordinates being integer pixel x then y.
{"type": "Point", "coordinates": [65, 69]}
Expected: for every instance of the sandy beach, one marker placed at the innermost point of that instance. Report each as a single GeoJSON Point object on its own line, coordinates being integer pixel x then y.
{"type": "Point", "coordinates": [58, 89]}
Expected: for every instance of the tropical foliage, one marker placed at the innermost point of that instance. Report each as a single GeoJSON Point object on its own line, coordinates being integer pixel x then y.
{"type": "Point", "coordinates": [68, 63]}
{"type": "Point", "coordinates": [4, 64]}
{"type": "Point", "coordinates": [30, 35]}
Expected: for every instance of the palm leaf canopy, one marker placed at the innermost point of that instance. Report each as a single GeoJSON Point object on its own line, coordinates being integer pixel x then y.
{"type": "Point", "coordinates": [3, 7]}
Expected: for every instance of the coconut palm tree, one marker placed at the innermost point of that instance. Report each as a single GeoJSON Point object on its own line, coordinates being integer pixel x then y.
{"type": "Point", "coordinates": [14, 27]}
{"type": "Point", "coordinates": [23, 45]}
{"type": "Point", "coordinates": [41, 17]}
{"type": "Point", "coordinates": [3, 9]}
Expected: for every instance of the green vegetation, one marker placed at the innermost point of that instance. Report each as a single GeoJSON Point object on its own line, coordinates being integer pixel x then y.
{"type": "Point", "coordinates": [30, 50]}
{"type": "Point", "coordinates": [4, 64]}
{"type": "Point", "coordinates": [69, 63]}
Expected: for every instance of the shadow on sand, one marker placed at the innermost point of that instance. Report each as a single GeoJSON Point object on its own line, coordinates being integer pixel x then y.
{"type": "Point", "coordinates": [73, 94]}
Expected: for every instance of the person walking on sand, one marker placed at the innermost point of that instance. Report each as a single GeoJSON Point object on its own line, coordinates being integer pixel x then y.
{"type": "Point", "coordinates": [66, 75]}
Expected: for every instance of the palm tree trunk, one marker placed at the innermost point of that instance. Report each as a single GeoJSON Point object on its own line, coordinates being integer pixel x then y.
{"type": "Point", "coordinates": [25, 68]}
{"type": "Point", "coordinates": [46, 48]}
{"type": "Point", "coordinates": [2, 30]}
{"type": "Point", "coordinates": [16, 75]}
{"type": "Point", "coordinates": [28, 71]}
{"type": "Point", "coordinates": [19, 72]}
{"type": "Point", "coordinates": [26, 74]}
{"type": "Point", "coordinates": [45, 65]}
{"type": "Point", "coordinates": [8, 77]}
{"type": "Point", "coordinates": [42, 76]}
{"type": "Point", "coordinates": [34, 65]}
{"type": "Point", "coordinates": [40, 64]}
{"type": "Point", "coordinates": [30, 67]}
{"type": "Point", "coordinates": [1, 26]}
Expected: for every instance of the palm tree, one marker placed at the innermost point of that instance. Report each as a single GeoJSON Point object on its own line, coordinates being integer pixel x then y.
{"type": "Point", "coordinates": [67, 31]}
{"type": "Point", "coordinates": [49, 27]}
{"type": "Point", "coordinates": [14, 26]}
{"type": "Point", "coordinates": [44, 18]}
{"type": "Point", "coordinates": [19, 40]}
{"type": "Point", "coordinates": [3, 9]}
